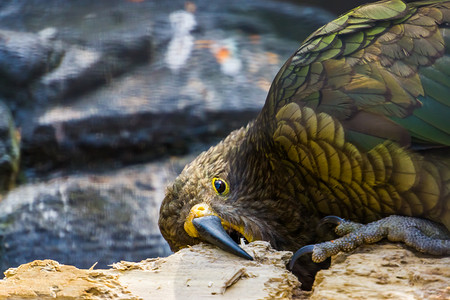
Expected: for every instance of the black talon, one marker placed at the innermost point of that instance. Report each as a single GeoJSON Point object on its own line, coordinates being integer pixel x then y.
{"type": "Point", "coordinates": [330, 220]}
{"type": "Point", "coordinates": [302, 251]}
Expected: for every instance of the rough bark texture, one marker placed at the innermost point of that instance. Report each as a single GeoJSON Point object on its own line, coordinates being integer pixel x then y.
{"type": "Point", "coordinates": [373, 272]}
{"type": "Point", "coordinates": [388, 271]}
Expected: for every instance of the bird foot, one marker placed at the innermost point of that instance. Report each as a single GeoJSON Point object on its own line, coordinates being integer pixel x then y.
{"type": "Point", "coordinates": [423, 235]}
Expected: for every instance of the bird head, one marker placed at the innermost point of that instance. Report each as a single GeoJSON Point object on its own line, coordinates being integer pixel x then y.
{"type": "Point", "coordinates": [218, 198]}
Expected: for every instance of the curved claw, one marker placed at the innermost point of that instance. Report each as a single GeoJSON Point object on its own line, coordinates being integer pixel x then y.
{"type": "Point", "coordinates": [302, 251]}
{"type": "Point", "coordinates": [330, 220]}
{"type": "Point", "coordinates": [211, 230]}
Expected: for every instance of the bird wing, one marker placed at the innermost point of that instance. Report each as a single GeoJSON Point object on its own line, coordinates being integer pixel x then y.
{"type": "Point", "coordinates": [382, 69]}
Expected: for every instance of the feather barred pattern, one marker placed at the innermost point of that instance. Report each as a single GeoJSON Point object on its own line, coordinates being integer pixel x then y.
{"type": "Point", "coordinates": [344, 181]}
{"type": "Point", "coordinates": [379, 78]}
{"type": "Point", "coordinates": [377, 62]}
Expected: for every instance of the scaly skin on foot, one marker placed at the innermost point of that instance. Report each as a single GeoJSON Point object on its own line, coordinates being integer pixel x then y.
{"type": "Point", "coordinates": [423, 235]}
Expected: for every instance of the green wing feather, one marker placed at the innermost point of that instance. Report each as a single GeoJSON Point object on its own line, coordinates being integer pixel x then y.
{"type": "Point", "coordinates": [382, 69]}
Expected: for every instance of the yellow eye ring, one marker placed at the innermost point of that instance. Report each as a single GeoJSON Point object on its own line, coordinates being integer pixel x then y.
{"type": "Point", "coordinates": [220, 186]}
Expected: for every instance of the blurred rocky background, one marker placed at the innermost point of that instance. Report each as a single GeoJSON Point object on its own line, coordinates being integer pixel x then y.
{"type": "Point", "coordinates": [103, 102]}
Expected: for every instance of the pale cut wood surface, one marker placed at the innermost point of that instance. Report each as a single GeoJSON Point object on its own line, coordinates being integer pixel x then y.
{"type": "Point", "coordinates": [383, 271]}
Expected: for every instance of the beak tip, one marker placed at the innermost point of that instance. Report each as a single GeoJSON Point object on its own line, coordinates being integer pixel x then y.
{"type": "Point", "coordinates": [210, 229]}
{"type": "Point", "coordinates": [249, 257]}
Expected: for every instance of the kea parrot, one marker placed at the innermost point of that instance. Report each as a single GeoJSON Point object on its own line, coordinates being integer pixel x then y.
{"type": "Point", "coordinates": [354, 133]}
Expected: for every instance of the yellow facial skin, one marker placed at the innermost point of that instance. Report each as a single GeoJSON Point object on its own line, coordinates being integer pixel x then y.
{"type": "Point", "coordinates": [203, 210]}
{"type": "Point", "coordinates": [197, 211]}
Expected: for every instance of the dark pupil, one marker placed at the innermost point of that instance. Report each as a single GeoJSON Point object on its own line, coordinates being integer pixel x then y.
{"type": "Point", "coordinates": [220, 186]}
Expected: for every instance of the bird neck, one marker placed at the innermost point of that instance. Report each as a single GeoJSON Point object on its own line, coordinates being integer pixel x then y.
{"type": "Point", "coordinates": [256, 159]}
{"type": "Point", "coordinates": [264, 175]}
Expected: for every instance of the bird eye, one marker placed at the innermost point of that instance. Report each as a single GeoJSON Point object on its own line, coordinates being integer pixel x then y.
{"type": "Point", "coordinates": [220, 186]}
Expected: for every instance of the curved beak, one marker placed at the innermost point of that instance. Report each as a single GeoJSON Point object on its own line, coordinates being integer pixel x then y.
{"type": "Point", "coordinates": [210, 229]}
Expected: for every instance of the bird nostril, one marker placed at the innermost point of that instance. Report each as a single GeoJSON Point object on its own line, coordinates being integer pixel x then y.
{"type": "Point", "coordinates": [197, 211]}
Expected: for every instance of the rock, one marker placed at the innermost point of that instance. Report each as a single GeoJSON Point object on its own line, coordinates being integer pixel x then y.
{"type": "Point", "coordinates": [9, 150]}
{"type": "Point", "coordinates": [82, 68]}
{"type": "Point", "coordinates": [25, 56]}
{"type": "Point", "coordinates": [337, 7]}
{"type": "Point", "coordinates": [85, 219]}
{"type": "Point", "coordinates": [382, 271]}
{"type": "Point", "coordinates": [79, 69]}
{"type": "Point", "coordinates": [139, 80]}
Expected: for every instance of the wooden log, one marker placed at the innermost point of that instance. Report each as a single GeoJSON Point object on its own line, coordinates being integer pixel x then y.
{"type": "Point", "coordinates": [382, 271]}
